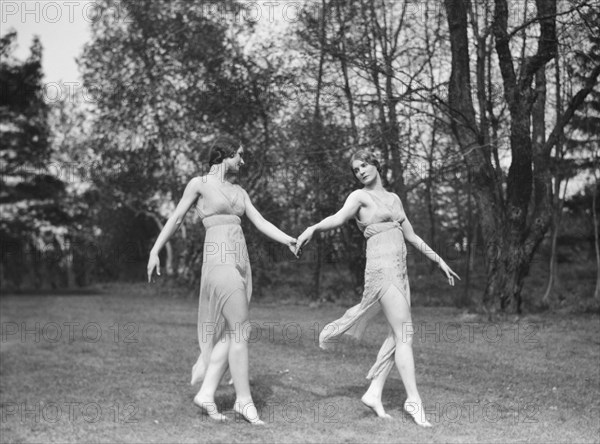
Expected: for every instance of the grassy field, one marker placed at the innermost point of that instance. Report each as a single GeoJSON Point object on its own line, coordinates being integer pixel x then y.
{"type": "Point", "coordinates": [116, 368]}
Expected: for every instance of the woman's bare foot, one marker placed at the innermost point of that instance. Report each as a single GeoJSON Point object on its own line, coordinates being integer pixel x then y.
{"type": "Point", "coordinates": [375, 404]}
{"type": "Point", "coordinates": [248, 411]}
{"type": "Point", "coordinates": [209, 408]}
{"type": "Point", "coordinates": [415, 409]}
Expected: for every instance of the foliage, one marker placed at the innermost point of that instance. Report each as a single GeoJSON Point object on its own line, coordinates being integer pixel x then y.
{"type": "Point", "coordinates": [33, 226]}
{"type": "Point", "coordinates": [166, 77]}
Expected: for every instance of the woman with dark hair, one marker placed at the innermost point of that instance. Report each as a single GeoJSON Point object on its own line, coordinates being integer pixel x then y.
{"type": "Point", "coordinates": [380, 216]}
{"type": "Point", "coordinates": [226, 281]}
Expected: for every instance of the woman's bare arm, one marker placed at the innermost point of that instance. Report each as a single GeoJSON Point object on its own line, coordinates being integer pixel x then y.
{"type": "Point", "coordinates": [190, 195]}
{"type": "Point", "coordinates": [347, 212]}
{"type": "Point", "coordinates": [411, 237]}
{"type": "Point", "coordinates": [264, 226]}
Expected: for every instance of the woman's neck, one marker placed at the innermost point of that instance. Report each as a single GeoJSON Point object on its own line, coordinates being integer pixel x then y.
{"type": "Point", "coordinates": [376, 185]}
{"type": "Point", "coordinates": [220, 173]}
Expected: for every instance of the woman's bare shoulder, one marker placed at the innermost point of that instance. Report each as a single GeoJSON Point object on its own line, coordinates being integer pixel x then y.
{"type": "Point", "coordinates": [358, 194]}
{"type": "Point", "coordinates": [359, 197]}
{"type": "Point", "coordinates": [396, 197]}
{"type": "Point", "coordinates": [198, 183]}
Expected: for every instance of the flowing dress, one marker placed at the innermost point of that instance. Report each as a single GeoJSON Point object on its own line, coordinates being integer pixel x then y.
{"type": "Point", "coordinates": [386, 266]}
{"type": "Point", "coordinates": [225, 266]}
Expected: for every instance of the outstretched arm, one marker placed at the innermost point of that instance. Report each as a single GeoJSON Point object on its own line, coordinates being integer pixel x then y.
{"type": "Point", "coordinates": [347, 212]}
{"type": "Point", "coordinates": [266, 227]}
{"type": "Point", "coordinates": [191, 193]}
{"type": "Point", "coordinates": [419, 244]}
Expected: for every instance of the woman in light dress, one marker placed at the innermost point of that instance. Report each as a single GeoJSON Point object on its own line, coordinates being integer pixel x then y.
{"type": "Point", "coordinates": [226, 280]}
{"type": "Point", "coordinates": [380, 216]}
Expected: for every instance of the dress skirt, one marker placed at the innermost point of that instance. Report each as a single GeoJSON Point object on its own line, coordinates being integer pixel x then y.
{"type": "Point", "coordinates": [225, 271]}
{"type": "Point", "coordinates": [386, 266]}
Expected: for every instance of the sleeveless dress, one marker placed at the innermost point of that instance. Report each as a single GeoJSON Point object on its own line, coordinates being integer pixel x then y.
{"type": "Point", "coordinates": [225, 267]}
{"type": "Point", "coordinates": [386, 266]}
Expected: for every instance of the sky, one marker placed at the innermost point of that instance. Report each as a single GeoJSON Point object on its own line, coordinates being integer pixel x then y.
{"type": "Point", "coordinates": [63, 29]}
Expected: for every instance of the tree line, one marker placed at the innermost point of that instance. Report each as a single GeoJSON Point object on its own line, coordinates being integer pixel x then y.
{"type": "Point", "coordinates": [482, 113]}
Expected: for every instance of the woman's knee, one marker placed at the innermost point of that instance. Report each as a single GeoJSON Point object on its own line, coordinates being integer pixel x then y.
{"type": "Point", "coordinates": [403, 332]}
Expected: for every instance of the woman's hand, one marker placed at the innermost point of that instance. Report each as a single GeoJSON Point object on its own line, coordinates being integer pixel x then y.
{"type": "Point", "coordinates": [450, 274]}
{"type": "Point", "coordinates": [292, 246]}
{"type": "Point", "coordinates": [153, 262]}
{"type": "Point", "coordinates": [304, 239]}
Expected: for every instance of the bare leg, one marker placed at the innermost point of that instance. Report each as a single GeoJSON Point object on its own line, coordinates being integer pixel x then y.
{"type": "Point", "coordinates": [372, 397]}
{"type": "Point", "coordinates": [236, 315]}
{"type": "Point", "coordinates": [397, 311]}
{"type": "Point", "coordinates": [205, 399]}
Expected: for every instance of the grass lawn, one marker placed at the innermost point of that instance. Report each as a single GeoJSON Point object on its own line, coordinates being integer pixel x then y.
{"type": "Point", "coordinates": [116, 368]}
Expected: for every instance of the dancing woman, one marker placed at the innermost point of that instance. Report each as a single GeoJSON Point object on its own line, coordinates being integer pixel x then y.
{"type": "Point", "coordinates": [226, 281]}
{"type": "Point", "coordinates": [380, 216]}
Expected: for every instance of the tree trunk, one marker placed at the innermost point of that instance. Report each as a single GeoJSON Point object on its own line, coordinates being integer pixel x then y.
{"type": "Point", "coordinates": [429, 184]}
{"type": "Point", "coordinates": [371, 39]}
{"type": "Point", "coordinates": [553, 279]}
{"type": "Point", "coordinates": [391, 132]}
{"type": "Point", "coordinates": [596, 238]}
{"type": "Point", "coordinates": [557, 206]}
{"type": "Point", "coordinates": [471, 230]}
{"type": "Point", "coordinates": [344, 65]}
{"type": "Point", "coordinates": [553, 275]}
{"type": "Point", "coordinates": [466, 131]}
{"type": "Point", "coordinates": [557, 201]}
{"type": "Point", "coordinates": [430, 208]}
{"type": "Point", "coordinates": [513, 222]}
{"type": "Point", "coordinates": [317, 270]}
{"type": "Point", "coordinates": [69, 267]}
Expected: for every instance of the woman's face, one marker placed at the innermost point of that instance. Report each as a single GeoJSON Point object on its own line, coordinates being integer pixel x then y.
{"type": "Point", "coordinates": [364, 172]}
{"type": "Point", "coordinates": [235, 162]}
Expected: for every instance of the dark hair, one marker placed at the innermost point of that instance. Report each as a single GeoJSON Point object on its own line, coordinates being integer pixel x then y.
{"type": "Point", "coordinates": [221, 148]}
{"type": "Point", "coordinates": [365, 156]}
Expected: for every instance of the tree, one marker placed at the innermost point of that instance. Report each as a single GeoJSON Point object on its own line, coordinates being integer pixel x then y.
{"type": "Point", "coordinates": [516, 212]}
{"type": "Point", "coordinates": [32, 226]}
{"type": "Point", "coordinates": [585, 124]}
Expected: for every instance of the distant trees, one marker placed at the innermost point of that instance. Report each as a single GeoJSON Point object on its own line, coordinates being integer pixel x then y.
{"type": "Point", "coordinates": [480, 112]}
{"type": "Point", "coordinates": [33, 229]}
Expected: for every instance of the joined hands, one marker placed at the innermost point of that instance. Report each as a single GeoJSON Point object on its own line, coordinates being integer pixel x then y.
{"type": "Point", "coordinates": [302, 240]}
{"type": "Point", "coordinates": [293, 246]}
